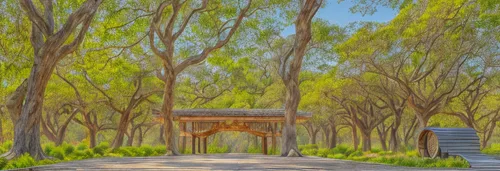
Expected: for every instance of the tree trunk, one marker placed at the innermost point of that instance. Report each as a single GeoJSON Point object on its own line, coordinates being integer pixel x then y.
{"type": "Point", "coordinates": [168, 105]}
{"type": "Point", "coordinates": [289, 135]}
{"type": "Point", "coordinates": [367, 142]}
{"type": "Point", "coordinates": [130, 140]}
{"type": "Point", "coordinates": [326, 132]}
{"type": "Point", "coordinates": [92, 137]}
{"type": "Point", "coordinates": [140, 138]}
{"type": "Point", "coordinates": [27, 127]}
{"type": "Point", "coordinates": [313, 136]}
{"type": "Point", "coordinates": [382, 136]}
{"type": "Point", "coordinates": [333, 140]}
{"type": "Point", "coordinates": [394, 140]}
{"type": "Point", "coordinates": [121, 130]}
{"type": "Point", "coordinates": [355, 139]}
{"type": "Point", "coordinates": [162, 134]}
{"type": "Point", "coordinates": [1, 132]}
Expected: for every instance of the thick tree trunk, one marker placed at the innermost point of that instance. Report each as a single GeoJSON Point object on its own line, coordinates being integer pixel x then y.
{"type": "Point", "coordinates": [367, 142]}
{"type": "Point", "coordinates": [121, 130]}
{"type": "Point", "coordinates": [27, 127]}
{"type": "Point", "coordinates": [168, 122]}
{"type": "Point", "coordinates": [289, 135]}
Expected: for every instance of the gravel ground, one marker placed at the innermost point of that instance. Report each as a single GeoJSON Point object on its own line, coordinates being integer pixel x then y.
{"type": "Point", "coordinates": [218, 162]}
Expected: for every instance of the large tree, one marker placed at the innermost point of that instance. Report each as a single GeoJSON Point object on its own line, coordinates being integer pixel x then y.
{"type": "Point", "coordinates": [290, 66]}
{"type": "Point", "coordinates": [161, 30]}
{"type": "Point", "coordinates": [49, 47]}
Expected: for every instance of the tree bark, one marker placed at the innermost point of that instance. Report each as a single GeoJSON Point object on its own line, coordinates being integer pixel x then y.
{"type": "Point", "coordinates": [326, 132]}
{"type": "Point", "coordinates": [383, 138]}
{"type": "Point", "coordinates": [92, 137]}
{"type": "Point", "coordinates": [367, 142]}
{"type": "Point", "coordinates": [394, 139]}
{"type": "Point", "coordinates": [1, 132]}
{"type": "Point", "coordinates": [303, 26]}
{"type": "Point", "coordinates": [168, 119]}
{"type": "Point", "coordinates": [121, 130]}
{"type": "Point", "coordinates": [355, 138]}
{"type": "Point", "coordinates": [49, 48]}
{"type": "Point", "coordinates": [162, 134]}
{"type": "Point", "coordinates": [140, 138]}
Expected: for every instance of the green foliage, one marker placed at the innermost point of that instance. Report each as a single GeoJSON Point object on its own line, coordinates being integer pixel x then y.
{"type": "Point", "coordinates": [101, 148]}
{"type": "Point", "coordinates": [494, 149]}
{"type": "Point", "coordinates": [82, 146]}
{"type": "Point", "coordinates": [160, 150]}
{"type": "Point", "coordinates": [58, 153]}
{"type": "Point", "coordinates": [213, 148]}
{"type": "Point", "coordinates": [3, 162]}
{"type": "Point", "coordinates": [409, 159]}
{"type": "Point", "coordinates": [22, 161]}
{"type": "Point", "coordinates": [254, 150]}
{"type": "Point", "coordinates": [68, 149]}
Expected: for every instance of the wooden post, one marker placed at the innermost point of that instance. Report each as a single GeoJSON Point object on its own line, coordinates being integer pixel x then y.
{"type": "Point", "coordinates": [273, 138]}
{"type": "Point", "coordinates": [199, 145]}
{"type": "Point", "coordinates": [264, 145]}
{"type": "Point", "coordinates": [205, 145]}
{"type": "Point", "coordinates": [193, 144]}
{"type": "Point", "coordinates": [193, 140]}
{"type": "Point", "coordinates": [184, 139]}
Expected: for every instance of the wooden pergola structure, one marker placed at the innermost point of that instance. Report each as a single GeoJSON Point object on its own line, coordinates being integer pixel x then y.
{"type": "Point", "coordinates": [201, 123]}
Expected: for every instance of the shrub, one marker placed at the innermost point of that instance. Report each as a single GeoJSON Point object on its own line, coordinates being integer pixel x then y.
{"type": "Point", "coordinates": [123, 151]}
{"type": "Point", "coordinates": [253, 149]}
{"type": "Point", "coordinates": [57, 152]}
{"type": "Point", "coordinates": [147, 150]}
{"type": "Point", "coordinates": [48, 148]}
{"type": "Point", "coordinates": [3, 162]}
{"type": "Point", "coordinates": [494, 149]}
{"type": "Point", "coordinates": [113, 155]}
{"type": "Point", "coordinates": [310, 152]}
{"type": "Point", "coordinates": [162, 150]}
{"type": "Point", "coordinates": [68, 149]}
{"type": "Point", "coordinates": [216, 149]}
{"type": "Point", "coordinates": [413, 153]}
{"type": "Point", "coordinates": [7, 145]}
{"type": "Point", "coordinates": [101, 148]}
{"type": "Point", "coordinates": [22, 161]}
{"type": "Point", "coordinates": [323, 152]}
{"type": "Point", "coordinates": [336, 156]}
{"type": "Point", "coordinates": [375, 150]}
{"type": "Point", "coordinates": [355, 154]}
{"type": "Point", "coordinates": [82, 147]}
{"type": "Point", "coordinates": [340, 149]}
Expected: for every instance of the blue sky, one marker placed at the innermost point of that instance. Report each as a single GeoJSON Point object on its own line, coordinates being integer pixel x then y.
{"type": "Point", "coordinates": [338, 13]}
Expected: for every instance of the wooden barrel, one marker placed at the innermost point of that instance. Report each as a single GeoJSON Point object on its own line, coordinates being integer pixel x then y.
{"type": "Point", "coordinates": [440, 142]}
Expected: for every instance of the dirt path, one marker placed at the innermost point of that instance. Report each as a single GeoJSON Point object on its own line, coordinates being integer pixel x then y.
{"type": "Point", "coordinates": [218, 162]}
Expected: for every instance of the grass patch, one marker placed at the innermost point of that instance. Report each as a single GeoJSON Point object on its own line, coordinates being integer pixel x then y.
{"type": "Point", "coordinates": [408, 159]}
{"type": "Point", "coordinates": [67, 152]}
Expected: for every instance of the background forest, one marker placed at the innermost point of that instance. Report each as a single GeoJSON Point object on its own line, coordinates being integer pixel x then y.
{"type": "Point", "coordinates": [371, 86]}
